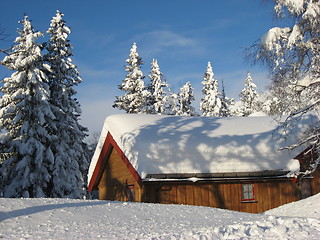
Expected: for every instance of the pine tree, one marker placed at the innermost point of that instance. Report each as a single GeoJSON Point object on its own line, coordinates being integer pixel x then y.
{"type": "Point", "coordinates": [172, 104]}
{"type": "Point", "coordinates": [210, 103]}
{"type": "Point", "coordinates": [69, 150]}
{"type": "Point", "coordinates": [158, 97]}
{"type": "Point", "coordinates": [134, 99]}
{"type": "Point", "coordinates": [226, 103]}
{"type": "Point", "coordinates": [186, 97]}
{"type": "Point", "coordinates": [24, 116]}
{"type": "Point", "coordinates": [248, 97]}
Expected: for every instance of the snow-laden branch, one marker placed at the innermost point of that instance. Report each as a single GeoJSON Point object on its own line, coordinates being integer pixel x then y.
{"type": "Point", "coordinates": [293, 56]}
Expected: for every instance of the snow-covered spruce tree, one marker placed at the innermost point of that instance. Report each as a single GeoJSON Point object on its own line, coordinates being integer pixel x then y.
{"type": "Point", "coordinates": [210, 103]}
{"type": "Point", "coordinates": [25, 114]}
{"type": "Point", "coordinates": [293, 57]}
{"type": "Point", "coordinates": [158, 96]}
{"type": "Point", "coordinates": [135, 98]}
{"type": "Point", "coordinates": [226, 103]}
{"type": "Point", "coordinates": [3, 155]}
{"type": "Point", "coordinates": [69, 150]}
{"type": "Point", "coordinates": [185, 98]}
{"type": "Point", "coordinates": [172, 103]}
{"type": "Point", "coordinates": [248, 98]}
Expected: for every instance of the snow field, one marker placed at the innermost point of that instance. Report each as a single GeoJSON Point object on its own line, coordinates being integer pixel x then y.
{"type": "Point", "coordinates": [92, 219]}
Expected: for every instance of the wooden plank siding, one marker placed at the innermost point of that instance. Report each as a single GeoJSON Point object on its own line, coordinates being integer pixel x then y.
{"type": "Point", "coordinates": [268, 194]}
{"type": "Point", "coordinates": [115, 177]}
{"type": "Point", "coordinates": [181, 194]}
{"type": "Point", "coordinates": [315, 183]}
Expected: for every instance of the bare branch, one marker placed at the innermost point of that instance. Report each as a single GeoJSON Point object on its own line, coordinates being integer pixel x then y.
{"type": "Point", "coordinates": [3, 37]}
{"type": "Point", "coordinates": [5, 51]}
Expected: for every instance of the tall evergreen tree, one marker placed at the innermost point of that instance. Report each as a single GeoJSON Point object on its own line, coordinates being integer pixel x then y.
{"type": "Point", "coordinates": [226, 103]}
{"type": "Point", "coordinates": [25, 113]}
{"type": "Point", "coordinates": [210, 103]}
{"type": "Point", "coordinates": [69, 150]}
{"type": "Point", "coordinates": [248, 97]}
{"type": "Point", "coordinates": [186, 97]}
{"type": "Point", "coordinates": [158, 96]}
{"type": "Point", "coordinates": [134, 99]}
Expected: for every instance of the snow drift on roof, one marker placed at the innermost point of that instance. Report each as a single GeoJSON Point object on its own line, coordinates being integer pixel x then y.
{"type": "Point", "coordinates": [158, 144]}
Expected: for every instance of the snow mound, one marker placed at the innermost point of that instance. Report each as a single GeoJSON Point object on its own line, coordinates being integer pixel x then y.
{"type": "Point", "coordinates": [87, 219]}
{"type": "Point", "coordinates": [309, 207]}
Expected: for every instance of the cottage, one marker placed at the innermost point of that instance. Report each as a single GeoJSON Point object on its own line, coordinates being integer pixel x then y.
{"type": "Point", "coordinates": [232, 163]}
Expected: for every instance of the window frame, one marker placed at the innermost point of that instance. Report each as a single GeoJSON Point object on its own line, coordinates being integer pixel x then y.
{"type": "Point", "coordinates": [250, 192]}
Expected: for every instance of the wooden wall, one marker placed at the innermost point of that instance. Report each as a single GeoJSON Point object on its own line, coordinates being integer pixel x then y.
{"type": "Point", "coordinates": [115, 177]}
{"type": "Point", "coordinates": [269, 194]}
{"type": "Point", "coordinates": [315, 182]}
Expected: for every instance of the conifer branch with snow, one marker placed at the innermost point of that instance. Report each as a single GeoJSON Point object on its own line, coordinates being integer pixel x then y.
{"type": "Point", "coordinates": [25, 111]}
{"type": "Point", "coordinates": [42, 148]}
{"type": "Point", "coordinates": [134, 98]}
{"type": "Point", "coordinates": [248, 98]}
{"type": "Point", "coordinates": [71, 159]}
{"type": "Point", "coordinates": [226, 103]}
{"type": "Point", "coordinates": [172, 105]}
{"type": "Point", "coordinates": [210, 104]}
{"type": "Point", "coordinates": [185, 98]}
{"type": "Point", "coordinates": [158, 96]}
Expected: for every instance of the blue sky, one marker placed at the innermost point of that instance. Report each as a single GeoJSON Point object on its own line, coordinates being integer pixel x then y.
{"type": "Point", "coordinates": [182, 35]}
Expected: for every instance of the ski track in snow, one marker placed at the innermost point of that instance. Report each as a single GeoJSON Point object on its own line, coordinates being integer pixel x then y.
{"type": "Point", "coordinates": [93, 219]}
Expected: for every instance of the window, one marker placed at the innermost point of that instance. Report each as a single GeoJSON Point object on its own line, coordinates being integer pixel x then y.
{"type": "Point", "coordinates": [247, 193]}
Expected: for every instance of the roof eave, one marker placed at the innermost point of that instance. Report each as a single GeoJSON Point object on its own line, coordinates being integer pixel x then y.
{"type": "Point", "coordinates": [212, 176]}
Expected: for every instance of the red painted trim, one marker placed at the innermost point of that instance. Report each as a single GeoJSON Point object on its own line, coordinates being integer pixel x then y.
{"type": "Point", "coordinates": [294, 180]}
{"type": "Point", "coordinates": [107, 146]}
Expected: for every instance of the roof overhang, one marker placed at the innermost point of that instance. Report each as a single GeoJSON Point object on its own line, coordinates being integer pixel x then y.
{"type": "Point", "coordinates": [232, 176]}
{"type": "Point", "coordinates": [260, 174]}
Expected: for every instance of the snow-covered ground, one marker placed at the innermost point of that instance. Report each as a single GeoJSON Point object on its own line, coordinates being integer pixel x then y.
{"type": "Point", "coordinates": [93, 219]}
{"type": "Point", "coordinates": [309, 207]}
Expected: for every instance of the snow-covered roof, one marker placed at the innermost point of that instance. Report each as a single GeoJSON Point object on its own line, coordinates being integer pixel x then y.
{"type": "Point", "coordinates": [158, 144]}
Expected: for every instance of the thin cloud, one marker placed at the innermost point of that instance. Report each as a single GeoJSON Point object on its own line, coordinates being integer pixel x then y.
{"type": "Point", "coordinates": [159, 41]}
{"type": "Point", "coordinates": [92, 72]}
{"type": "Point", "coordinates": [167, 38]}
